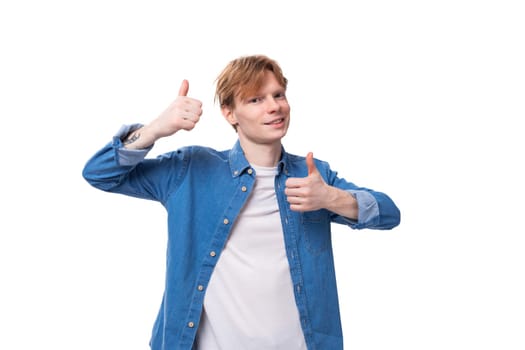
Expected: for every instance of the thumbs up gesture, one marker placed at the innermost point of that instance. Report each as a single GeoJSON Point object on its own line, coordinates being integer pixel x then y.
{"type": "Point", "coordinates": [308, 193]}
{"type": "Point", "coordinates": [182, 114]}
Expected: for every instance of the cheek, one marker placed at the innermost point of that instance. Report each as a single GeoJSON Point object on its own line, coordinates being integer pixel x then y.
{"type": "Point", "coordinates": [286, 107]}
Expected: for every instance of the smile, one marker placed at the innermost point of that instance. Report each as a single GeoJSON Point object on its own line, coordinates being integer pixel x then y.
{"type": "Point", "coordinates": [276, 121]}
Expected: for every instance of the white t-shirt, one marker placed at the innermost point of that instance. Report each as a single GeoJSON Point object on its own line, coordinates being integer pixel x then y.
{"type": "Point", "coordinates": [249, 303]}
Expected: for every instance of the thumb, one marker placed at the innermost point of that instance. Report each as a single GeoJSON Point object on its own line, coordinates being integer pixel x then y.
{"type": "Point", "coordinates": [184, 87]}
{"type": "Point", "coordinates": [310, 163]}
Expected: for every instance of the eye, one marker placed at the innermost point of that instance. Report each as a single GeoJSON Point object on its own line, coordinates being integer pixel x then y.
{"type": "Point", "coordinates": [280, 95]}
{"type": "Point", "coordinates": [254, 100]}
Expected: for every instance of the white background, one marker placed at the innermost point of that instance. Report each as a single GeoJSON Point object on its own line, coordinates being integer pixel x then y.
{"type": "Point", "coordinates": [419, 99]}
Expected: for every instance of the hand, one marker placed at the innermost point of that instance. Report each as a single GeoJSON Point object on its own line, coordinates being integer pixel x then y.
{"type": "Point", "coordinates": [182, 114]}
{"type": "Point", "coordinates": [308, 193]}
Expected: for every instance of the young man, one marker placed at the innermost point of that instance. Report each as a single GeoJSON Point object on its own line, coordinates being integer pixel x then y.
{"type": "Point", "coordinates": [249, 262]}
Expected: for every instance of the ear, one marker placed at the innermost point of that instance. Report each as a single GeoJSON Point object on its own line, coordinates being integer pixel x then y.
{"type": "Point", "coordinates": [227, 112]}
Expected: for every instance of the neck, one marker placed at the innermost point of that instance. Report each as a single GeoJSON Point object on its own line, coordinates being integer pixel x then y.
{"type": "Point", "coordinates": [262, 154]}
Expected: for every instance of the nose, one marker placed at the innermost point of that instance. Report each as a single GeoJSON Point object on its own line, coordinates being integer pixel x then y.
{"type": "Point", "coordinates": [272, 104]}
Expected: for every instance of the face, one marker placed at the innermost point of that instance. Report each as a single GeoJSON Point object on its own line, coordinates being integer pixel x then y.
{"type": "Point", "coordinates": [261, 119]}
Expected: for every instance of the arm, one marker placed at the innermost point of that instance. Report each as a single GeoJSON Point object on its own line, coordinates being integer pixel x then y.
{"type": "Point", "coordinates": [120, 166]}
{"type": "Point", "coordinates": [357, 207]}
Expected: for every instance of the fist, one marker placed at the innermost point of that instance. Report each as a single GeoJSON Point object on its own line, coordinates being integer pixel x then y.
{"type": "Point", "coordinates": [308, 193]}
{"type": "Point", "coordinates": [183, 113]}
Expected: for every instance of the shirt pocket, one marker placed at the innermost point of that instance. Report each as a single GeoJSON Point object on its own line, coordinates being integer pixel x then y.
{"type": "Point", "coordinates": [316, 226]}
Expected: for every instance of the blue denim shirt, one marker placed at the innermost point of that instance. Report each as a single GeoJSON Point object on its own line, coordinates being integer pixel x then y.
{"type": "Point", "coordinates": [203, 191]}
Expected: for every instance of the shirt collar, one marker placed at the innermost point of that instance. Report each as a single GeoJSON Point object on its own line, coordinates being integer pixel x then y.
{"type": "Point", "coordinates": [239, 163]}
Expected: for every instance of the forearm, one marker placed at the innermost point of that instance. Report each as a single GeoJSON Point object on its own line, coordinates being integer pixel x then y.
{"type": "Point", "coordinates": [375, 211]}
{"type": "Point", "coordinates": [140, 138]}
{"type": "Point", "coordinates": [342, 203]}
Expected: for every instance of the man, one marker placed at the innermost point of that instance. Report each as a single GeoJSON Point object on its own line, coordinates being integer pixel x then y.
{"type": "Point", "coordinates": [249, 261]}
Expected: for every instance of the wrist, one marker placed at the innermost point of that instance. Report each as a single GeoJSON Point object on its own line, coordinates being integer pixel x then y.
{"type": "Point", "coordinates": [138, 139]}
{"type": "Point", "coordinates": [342, 202]}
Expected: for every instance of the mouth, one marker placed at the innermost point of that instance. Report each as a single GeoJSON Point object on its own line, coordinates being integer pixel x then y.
{"type": "Point", "coordinates": [275, 121]}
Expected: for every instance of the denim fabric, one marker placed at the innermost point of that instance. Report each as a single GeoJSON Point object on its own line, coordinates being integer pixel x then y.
{"type": "Point", "coordinates": [202, 192]}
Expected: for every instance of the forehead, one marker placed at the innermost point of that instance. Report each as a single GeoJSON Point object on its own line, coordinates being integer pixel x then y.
{"type": "Point", "coordinates": [266, 83]}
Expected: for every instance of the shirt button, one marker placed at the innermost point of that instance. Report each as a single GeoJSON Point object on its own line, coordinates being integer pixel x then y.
{"type": "Point", "coordinates": [250, 171]}
{"type": "Point", "coordinates": [212, 253]}
{"type": "Point", "coordinates": [236, 172]}
{"type": "Point", "coordinates": [244, 189]}
{"type": "Point", "coordinates": [226, 221]}
{"type": "Point", "coordinates": [191, 324]}
{"type": "Point", "coordinates": [200, 287]}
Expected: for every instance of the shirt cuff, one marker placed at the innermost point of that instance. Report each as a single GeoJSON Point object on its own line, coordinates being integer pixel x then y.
{"type": "Point", "coordinates": [125, 156]}
{"type": "Point", "coordinates": [367, 204]}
